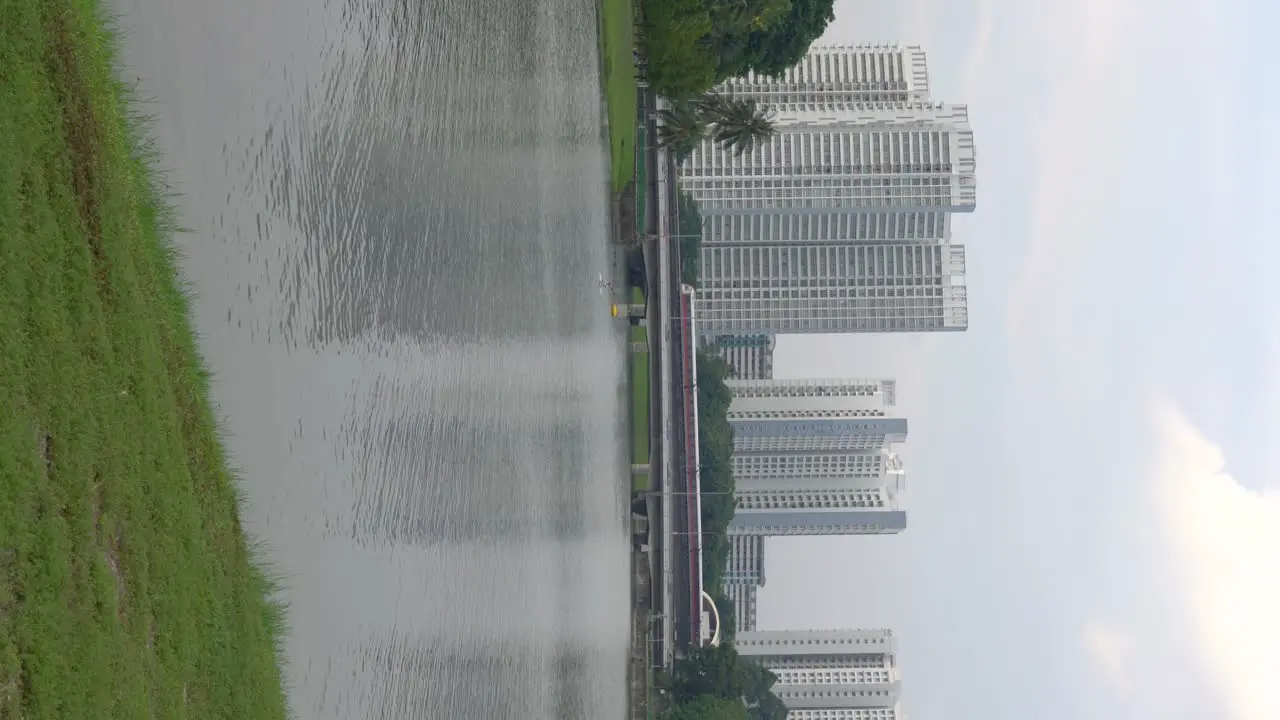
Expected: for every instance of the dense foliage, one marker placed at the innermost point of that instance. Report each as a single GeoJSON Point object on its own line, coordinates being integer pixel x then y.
{"type": "Point", "coordinates": [708, 707]}
{"type": "Point", "coordinates": [715, 445]}
{"type": "Point", "coordinates": [690, 238]}
{"type": "Point", "coordinates": [693, 44]}
{"type": "Point", "coordinates": [736, 124]}
{"type": "Point", "coordinates": [716, 683]}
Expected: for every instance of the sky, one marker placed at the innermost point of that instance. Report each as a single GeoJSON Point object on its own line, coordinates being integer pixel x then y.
{"type": "Point", "coordinates": [1093, 486]}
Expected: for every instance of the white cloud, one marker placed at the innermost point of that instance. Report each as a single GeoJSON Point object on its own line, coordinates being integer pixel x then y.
{"type": "Point", "coordinates": [1225, 546]}
{"type": "Point", "coordinates": [1109, 647]}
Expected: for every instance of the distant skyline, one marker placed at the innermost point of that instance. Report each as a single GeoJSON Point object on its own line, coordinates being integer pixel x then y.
{"type": "Point", "coordinates": [1092, 473]}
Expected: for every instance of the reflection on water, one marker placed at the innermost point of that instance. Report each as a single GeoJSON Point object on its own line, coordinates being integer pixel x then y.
{"type": "Point", "coordinates": [398, 213]}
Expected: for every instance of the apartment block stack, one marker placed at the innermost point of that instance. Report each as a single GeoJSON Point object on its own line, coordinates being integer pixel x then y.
{"type": "Point", "coordinates": [749, 357]}
{"type": "Point", "coordinates": [810, 457]}
{"type": "Point", "coordinates": [839, 223]}
{"type": "Point", "coordinates": [830, 674]}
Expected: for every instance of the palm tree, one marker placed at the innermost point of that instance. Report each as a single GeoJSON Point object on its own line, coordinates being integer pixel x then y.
{"type": "Point", "coordinates": [740, 124]}
{"type": "Point", "coordinates": [684, 125]}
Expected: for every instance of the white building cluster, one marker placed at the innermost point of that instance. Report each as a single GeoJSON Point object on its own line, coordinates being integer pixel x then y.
{"type": "Point", "coordinates": [839, 223]}
{"type": "Point", "coordinates": [830, 674]}
{"type": "Point", "coordinates": [814, 457]}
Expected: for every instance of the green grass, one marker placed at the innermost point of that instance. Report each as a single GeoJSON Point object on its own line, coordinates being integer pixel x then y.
{"type": "Point", "coordinates": [642, 181]}
{"type": "Point", "coordinates": [127, 588]}
{"type": "Point", "coordinates": [639, 405]}
{"type": "Point", "coordinates": [617, 41]}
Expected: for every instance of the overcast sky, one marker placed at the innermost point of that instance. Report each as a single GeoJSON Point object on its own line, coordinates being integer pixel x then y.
{"type": "Point", "coordinates": [1093, 514]}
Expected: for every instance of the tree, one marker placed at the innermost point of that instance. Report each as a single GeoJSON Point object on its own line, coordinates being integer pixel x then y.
{"type": "Point", "coordinates": [728, 614]}
{"type": "Point", "coordinates": [680, 63]}
{"type": "Point", "coordinates": [739, 124]}
{"type": "Point", "coordinates": [708, 707]}
{"type": "Point", "coordinates": [770, 708]}
{"type": "Point", "coordinates": [772, 49]}
{"type": "Point", "coordinates": [722, 672]}
{"type": "Point", "coordinates": [715, 447]}
{"type": "Point", "coordinates": [715, 671]}
{"type": "Point", "coordinates": [690, 237]}
{"type": "Point", "coordinates": [683, 126]}
{"type": "Point", "coordinates": [693, 44]}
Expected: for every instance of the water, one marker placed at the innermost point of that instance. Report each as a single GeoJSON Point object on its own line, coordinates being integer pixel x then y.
{"type": "Point", "coordinates": [398, 215]}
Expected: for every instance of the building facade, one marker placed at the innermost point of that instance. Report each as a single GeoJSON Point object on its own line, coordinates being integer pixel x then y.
{"type": "Point", "coordinates": [832, 287]}
{"type": "Point", "coordinates": [917, 157]}
{"type": "Point", "coordinates": [889, 228]}
{"type": "Point", "coordinates": [836, 75]}
{"type": "Point", "coordinates": [810, 399]}
{"type": "Point", "coordinates": [841, 222]}
{"type": "Point", "coordinates": [744, 602]}
{"type": "Point", "coordinates": [859, 434]}
{"type": "Point", "coordinates": [876, 713]}
{"type": "Point", "coordinates": [749, 357]}
{"type": "Point", "coordinates": [819, 521]}
{"type": "Point", "coordinates": [828, 670]}
{"type": "Point", "coordinates": [811, 508]}
{"type": "Point", "coordinates": [818, 469]}
{"type": "Point", "coordinates": [746, 561]}
{"type": "Point", "coordinates": [808, 498]}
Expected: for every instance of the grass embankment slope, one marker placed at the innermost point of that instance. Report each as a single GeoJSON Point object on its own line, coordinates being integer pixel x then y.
{"type": "Point", "coordinates": [617, 41]}
{"type": "Point", "coordinates": [639, 372]}
{"type": "Point", "coordinates": [126, 586]}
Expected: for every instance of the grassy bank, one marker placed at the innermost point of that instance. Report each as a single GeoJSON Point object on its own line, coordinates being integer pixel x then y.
{"type": "Point", "coordinates": [640, 404]}
{"type": "Point", "coordinates": [617, 41]}
{"type": "Point", "coordinates": [126, 586]}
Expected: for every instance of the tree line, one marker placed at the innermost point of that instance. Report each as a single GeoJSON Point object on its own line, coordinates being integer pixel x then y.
{"type": "Point", "coordinates": [715, 446]}
{"type": "Point", "coordinates": [693, 44]}
{"type": "Point", "coordinates": [716, 683]}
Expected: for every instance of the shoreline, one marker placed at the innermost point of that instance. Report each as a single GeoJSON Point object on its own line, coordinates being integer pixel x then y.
{"type": "Point", "coordinates": [629, 217]}
{"type": "Point", "coordinates": [127, 583]}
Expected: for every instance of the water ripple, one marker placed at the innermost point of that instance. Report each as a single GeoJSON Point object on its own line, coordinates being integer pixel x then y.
{"type": "Point", "coordinates": [398, 212]}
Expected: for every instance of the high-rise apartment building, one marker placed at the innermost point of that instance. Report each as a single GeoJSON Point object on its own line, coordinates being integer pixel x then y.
{"type": "Point", "coordinates": [816, 469]}
{"type": "Point", "coordinates": [917, 157]}
{"type": "Point", "coordinates": [876, 713]}
{"type": "Point", "coordinates": [806, 511]}
{"type": "Point", "coordinates": [832, 287]}
{"type": "Point", "coordinates": [839, 223]}
{"type": "Point", "coordinates": [829, 670]}
{"type": "Point", "coordinates": [888, 228]}
{"type": "Point", "coordinates": [744, 602]}
{"type": "Point", "coordinates": [813, 467]}
{"type": "Point", "coordinates": [749, 357]}
{"type": "Point", "coordinates": [834, 75]}
{"type": "Point", "coordinates": [810, 398]}
{"type": "Point", "coordinates": [857, 434]}
{"type": "Point", "coordinates": [746, 561]}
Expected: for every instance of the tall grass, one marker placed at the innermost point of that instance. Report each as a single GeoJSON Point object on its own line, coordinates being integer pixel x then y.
{"type": "Point", "coordinates": [127, 585]}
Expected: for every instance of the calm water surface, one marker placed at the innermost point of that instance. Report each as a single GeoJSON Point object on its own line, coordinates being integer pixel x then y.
{"type": "Point", "coordinates": [398, 214]}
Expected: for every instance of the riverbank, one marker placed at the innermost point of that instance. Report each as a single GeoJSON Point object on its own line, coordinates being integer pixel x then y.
{"type": "Point", "coordinates": [621, 92]}
{"type": "Point", "coordinates": [617, 43]}
{"type": "Point", "coordinates": [127, 588]}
